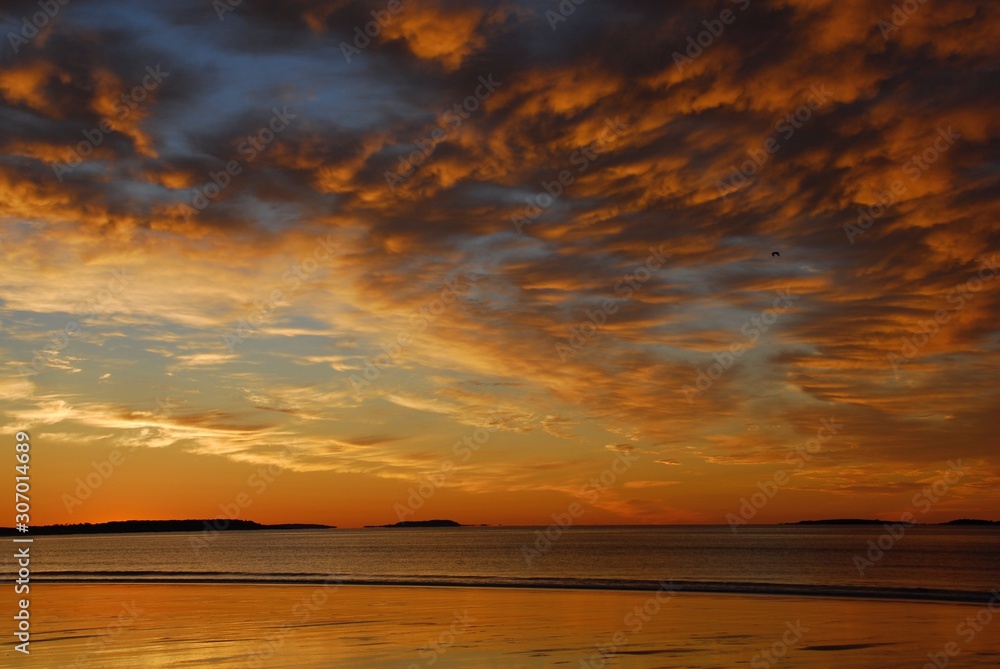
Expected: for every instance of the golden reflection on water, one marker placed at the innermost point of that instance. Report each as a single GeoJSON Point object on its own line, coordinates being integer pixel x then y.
{"type": "Point", "coordinates": [225, 626]}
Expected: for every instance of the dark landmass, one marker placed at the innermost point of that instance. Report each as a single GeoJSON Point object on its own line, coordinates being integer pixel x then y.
{"type": "Point", "coordinates": [842, 521]}
{"type": "Point", "coordinates": [133, 526]}
{"type": "Point", "coordinates": [421, 523]}
{"type": "Point", "coordinates": [866, 521]}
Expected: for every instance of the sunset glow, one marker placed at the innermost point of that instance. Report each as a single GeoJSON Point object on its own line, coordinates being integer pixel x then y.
{"type": "Point", "coordinates": [487, 263]}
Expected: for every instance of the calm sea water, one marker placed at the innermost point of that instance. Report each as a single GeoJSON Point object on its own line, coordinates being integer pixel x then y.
{"type": "Point", "coordinates": [954, 562]}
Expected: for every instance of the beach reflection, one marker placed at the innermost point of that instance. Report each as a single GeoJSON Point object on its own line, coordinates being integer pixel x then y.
{"type": "Point", "coordinates": [418, 627]}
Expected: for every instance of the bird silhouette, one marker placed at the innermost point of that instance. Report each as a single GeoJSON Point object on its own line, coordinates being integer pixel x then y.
{"type": "Point", "coordinates": [775, 253]}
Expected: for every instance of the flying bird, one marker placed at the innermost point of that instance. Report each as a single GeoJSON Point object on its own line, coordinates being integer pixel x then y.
{"type": "Point", "coordinates": [775, 253]}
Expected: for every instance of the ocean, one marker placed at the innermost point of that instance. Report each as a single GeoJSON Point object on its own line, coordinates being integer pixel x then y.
{"type": "Point", "coordinates": [949, 563]}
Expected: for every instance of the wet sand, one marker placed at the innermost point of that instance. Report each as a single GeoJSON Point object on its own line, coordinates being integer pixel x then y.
{"type": "Point", "coordinates": [184, 625]}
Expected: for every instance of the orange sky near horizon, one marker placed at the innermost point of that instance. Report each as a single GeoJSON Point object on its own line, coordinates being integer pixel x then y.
{"type": "Point", "coordinates": [494, 263]}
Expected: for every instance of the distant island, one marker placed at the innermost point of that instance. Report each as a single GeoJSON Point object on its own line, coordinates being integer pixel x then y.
{"type": "Point", "coordinates": [134, 526]}
{"type": "Point", "coordinates": [868, 521]}
{"type": "Point", "coordinates": [842, 521]}
{"type": "Point", "coordinates": [421, 523]}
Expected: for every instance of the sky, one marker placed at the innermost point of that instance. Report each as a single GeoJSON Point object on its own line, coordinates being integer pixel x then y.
{"type": "Point", "coordinates": [685, 262]}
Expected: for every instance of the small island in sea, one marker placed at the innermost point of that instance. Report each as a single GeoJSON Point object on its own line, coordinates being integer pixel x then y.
{"type": "Point", "coordinates": [421, 523]}
{"type": "Point", "coordinates": [875, 521]}
{"type": "Point", "coordinates": [135, 526]}
{"type": "Point", "coordinates": [842, 521]}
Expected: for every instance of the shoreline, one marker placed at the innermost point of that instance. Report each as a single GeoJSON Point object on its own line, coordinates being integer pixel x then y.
{"type": "Point", "coordinates": [911, 595]}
